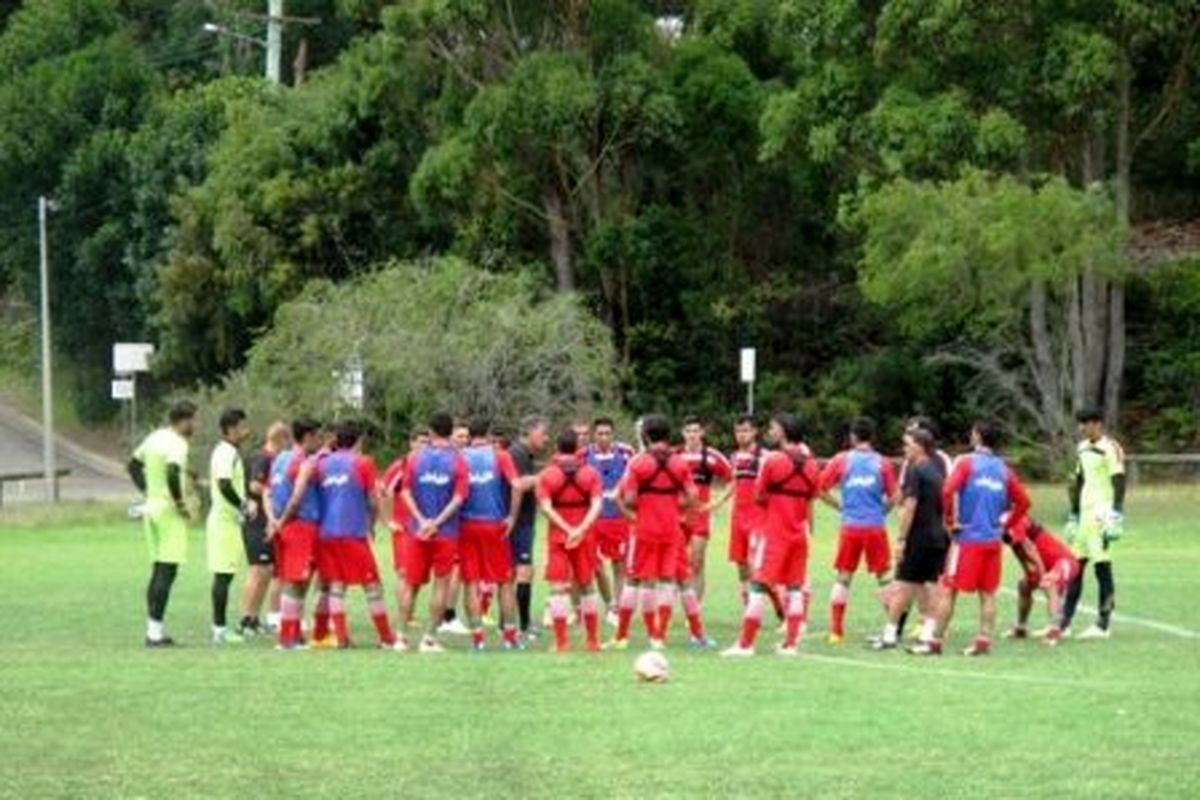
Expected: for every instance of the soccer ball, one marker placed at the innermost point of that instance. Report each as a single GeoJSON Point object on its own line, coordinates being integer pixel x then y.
{"type": "Point", "coordinates": [652, 667]}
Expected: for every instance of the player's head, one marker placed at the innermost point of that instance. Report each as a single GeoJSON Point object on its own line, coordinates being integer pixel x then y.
{"type": "Point", "coordinates": [418, 437]}
{"type": "Point", "coordinates": [786, 428]}
{"type": "Point", "coordinates": [583, 432]}
{"type": "Point", "coordinates": [502, 436]}
{"type": "Point", "coordinates": [460, 436]}
{"type": "Point", "coordinates": [987, 433]}
{"type": "Point", "coordinates": [693, 431]}
{"type": "Point", "coordinates": [306, 432]}
{"type": "Point", "coordinates": [347, 434]}
{"type": "Point", "coordinates": [233, 425]}
{"type": "Point", "coordinates": [745, 430]}
{"type": "Point", "coordinates": [441, 424]}
{"type": "Point", "coordinates": [479, 428]}
{"type": "Point", "coordinates": [919, 444]}
{"type": "Point", "coordinates": [923, 422]}
{"type": "Point", "coordinates": [602, 432]}
{"type": "Point", "coordinates": [182, 418]}
{"type": "Point", "coordinates": [568, 442]}
{"type": "Point", "coordinates": [533, 432]}
{"type": "Point", "coordinates": [278, 436]}
{"type": "Point", "coordinates": [862, 430]}
{"type": "Point", "coordinates": [656, 429]}
{"type": "Point", "coordinates": [1091, 423]}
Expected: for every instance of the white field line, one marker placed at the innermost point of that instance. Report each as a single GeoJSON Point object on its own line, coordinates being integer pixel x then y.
{"type": "Point", "coordinates": [1163, 627]}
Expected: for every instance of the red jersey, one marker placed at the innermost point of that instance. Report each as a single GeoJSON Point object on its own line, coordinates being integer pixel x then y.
{"type": "Point", "coordinates": [659, 480]}
{"type": "Point", "coordinates": [391, 485]}
{"type": "Point", "coordinates": [746, 465]}
{"type": "Point", "coordinates": [708, 466]}
{"type": "Point", "coordinates": [1049, 547]}
{"type": "Point", "coordinates": [787, 483]}
{"type": "Point", "coordinates": [571, 487]}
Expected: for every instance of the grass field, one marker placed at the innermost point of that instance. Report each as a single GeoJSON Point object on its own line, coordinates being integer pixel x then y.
{"type": "Point", "coordinates": [85, 711]}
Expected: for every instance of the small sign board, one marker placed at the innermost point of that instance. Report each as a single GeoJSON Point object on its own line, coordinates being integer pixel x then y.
{"type": "Point", "coordinates": [748, 364]}
{"type": "Point", "coordinates": [122, 389]}
{"type": "Point", "coordinates": [131, 357]}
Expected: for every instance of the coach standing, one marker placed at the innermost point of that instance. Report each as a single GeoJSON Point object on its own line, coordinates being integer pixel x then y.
{"type": "Point", "coordinates": [531, 442]}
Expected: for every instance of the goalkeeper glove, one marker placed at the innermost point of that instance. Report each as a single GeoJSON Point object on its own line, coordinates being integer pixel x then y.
{"type": "Point", "coordinates": [1114, 526]}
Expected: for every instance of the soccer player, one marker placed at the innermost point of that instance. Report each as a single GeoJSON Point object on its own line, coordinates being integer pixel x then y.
{"type": "Point", "coordinates": [259, 553]}
{"type": "Point", "coordinates": [709, 466]}
{"type": "Point", "coordinates": [569, 493]}
{"type": "Point", "coordinates": [488, 517]}
{"type": "Point", "coordinates": [921, 540]}
{"type": "Point", "coordinates": [656, 490]}
{"type": "Point", "coordinates": [746, 521]}
{"type": "Point", "coordinates": [296, 516]}
{"type": "Point", "coordinates": [980, 491]}
{"type": "Point", "coordinates": [609, 458]}
{"type": "Point", "coordinates": [531, 442]}
{"type": "Point", "coordinates": [1049, 565]}
{"type": "Point", "coordinates": [227, 510]}
{"type": "Point", "coordinates": [787, 484]}
{"type": "Point", "coordinates": [157, 469]}
{"type": "Point", "coordinates": [1097, 518]}
{"type": "Point", "coordinates": [866, 484]}
{"type": "Point", "coordinates": [436, 483]}
{"type": "Point", "coordinates": [392, 485]}
{"type": "Point", "coordinates": [583, 433]}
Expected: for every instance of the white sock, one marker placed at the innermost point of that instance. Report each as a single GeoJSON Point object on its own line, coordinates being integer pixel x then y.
{"type": "Point", "coordinates": [890, 631]}
{"type": "Point", "coordinates": [218, 631]}
{"type": "Point", "coordinates": [273, 619]}
{"type": "Point", "coordinates": [154, 630]}
{"type": "Point", "coordinates": [928, 629]}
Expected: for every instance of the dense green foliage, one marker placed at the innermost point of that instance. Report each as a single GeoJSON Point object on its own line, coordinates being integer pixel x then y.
{"type": "Point", "coordinates": [774, 176]}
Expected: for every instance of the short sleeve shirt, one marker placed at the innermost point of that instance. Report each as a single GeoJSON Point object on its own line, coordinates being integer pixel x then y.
{"type": "Point", "coordinates": [226, 464]}
{"type": "Point", "coordinates": [923, 482]}
{"type": "Point", "coordinates": [157, 451]}
{"type": "Point", "coordinates": [523, 460]}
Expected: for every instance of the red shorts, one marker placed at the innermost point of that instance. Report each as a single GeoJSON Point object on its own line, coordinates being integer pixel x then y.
{"type": "Point", "coordinates": [1061, 574]}
{"type": "Point", "coordinates": [855, 543]}
{"type": "Point", "coordinates": [577, 565]}
{"type": "Point", "coordinates": [484, 553]}
{"type": "Point", "coordinates": [780, 560]}
{"type": "Point", "coordinates": [612, 537]}
{"type": "Point", "coordinates": [741, 530]}
{"type": "Point", "coordinates": [421, 556]}
{"type": "Point", "coordinates": [653, 560]}
{"type": "Point", "coordinates": [683, 564]}
{"type": "Point", "coordinates": [399, 538]}
{"type": "Point", "coordinates": [348, 561]}
{"type": "Point", "coordinates": [974, 567]}
{"type": "Point", "coordinates": [295, 551]}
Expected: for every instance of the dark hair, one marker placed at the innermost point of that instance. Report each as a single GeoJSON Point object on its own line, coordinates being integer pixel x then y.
{"type": "Point", "coordinates": [230, 419]}
{"type": "Point", "coordinates": [417, 433]}
{"type": "Point", "coordinates": [989, 432]}
{"type": "Point", "coordinates": [923, 439]}
{"type": "Point", "coordinates": [441, 424]}
{"type": "Point", "coordinates": [656, 428]}
{"type": "Point", "coordinates": [184, 409]}
{"type": "Point", "coordinates": [692, 419]}
{"type": "Point", "coordinates": [923, 423]}
{"type": "Point", "coordinates": [863, 429]}
{"type": "Point", "coordinates": [347, 433]}
{"type": "Point", "coordinates": [303, 426]}
{"type": "Point", "coordinates": [745, 419]}
{"type": "Point", "coordinates": [793, 430]}
{"type": "Point", "coordinates": [1089, 414]}
{"type": "Point", "coordinates": [479, 427]}
{"type": "Point", "coordinates": [602, 420]}
{"type": "Point", "coordinates": [568, 442]}
{"type": "Point", "coordinates": [531, 423]}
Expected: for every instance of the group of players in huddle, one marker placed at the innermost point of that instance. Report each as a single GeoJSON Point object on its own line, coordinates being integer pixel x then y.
{"type": "Point", "coordinates": [627, 526]}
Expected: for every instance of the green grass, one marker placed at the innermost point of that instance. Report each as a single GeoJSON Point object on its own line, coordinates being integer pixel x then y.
{"type": "Point", "coordinates": [87, 712]}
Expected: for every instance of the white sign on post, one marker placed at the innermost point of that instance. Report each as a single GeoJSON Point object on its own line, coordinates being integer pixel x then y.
{"type": "Point", "coordinates": [748, 359]}
{"type": "Point", "coordinates": [122, 389]}
{"type": "Point", "coordinates": [131, 357]}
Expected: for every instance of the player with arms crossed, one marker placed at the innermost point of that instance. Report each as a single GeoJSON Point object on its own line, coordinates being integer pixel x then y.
{"type": "Point", "coordinates": [296, 517]}
{"type": "Point", "coordinates": [1097, 518]}
{"type": "Point", "coordinates": [655, 492]}
{"type": "Point", "coordinates": [349, 508]}
{"type": "Point", "coordinates": [980, 494]}
{"type": "Point", "coordinates": [787, 484]}
{"type": "Point", "coordinates": [488, 517]}
{"type": "Point", "coordinates": [1050, 566]}
{"type": "Point", "coordinates": [610, 459]}
{"type": "Point", "coordinates": [866, 484]}
{"type": "Point", "coordinates": [570, 494]}
{"type": "Point", "coordinates": [157, 469]}
{"type": "Point", "coordinates": [436, 484]}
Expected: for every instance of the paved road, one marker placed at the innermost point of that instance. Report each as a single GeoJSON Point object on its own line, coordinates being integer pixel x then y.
{"type": "Point", "coordinates": [21, 451]}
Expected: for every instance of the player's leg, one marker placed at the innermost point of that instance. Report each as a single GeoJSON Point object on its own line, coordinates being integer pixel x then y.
{"type": "Point", "coordinates": [220, 605]}
{"type": "Point", "coordinates": [899, 597]}
{"type": "Point", "coordinates": [693, 611]}
{"type": "Point", "coordinates": [274, 597]}
{"type": "Point", "coordinates": [1025, 589]}
{"type": "Point", "coordinates": [337, 613]}
{"type": "Point", "coordinates": [1108, 594]}
{"type": "Point", "coordinates": [407, 602]}
{"type": "Point", "coordinates": [1074, 593]}
{"type": "Point", "coordinates": [254, 593]}
{"type": "Point", "coordinates": [845, 563]}
{"type": "Point", "coordinates": [291, 611]}
{"type": "Point", "coordinates": [763, 565]}
{"type": "Point", "coordinates": [560, 606]}
{"type": "Point", "coordinates": [377, 608]}
{"type": "Point", "coordinates": [987, 624]}
{"type": "Point", "coordinates": [589, 611]}
{"type": "Point", "coordinates": [158, 594]}
{"type": "Point", "coordinates": [698, 553]}
{"type": "Point", "coordinates": [439, 598]}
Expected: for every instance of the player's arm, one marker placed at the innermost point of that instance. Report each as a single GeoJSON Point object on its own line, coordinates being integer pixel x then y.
{"type": "Point", "coordinates": [1116, 469]}
{"type": "Point", "coordinates": [225, 487]}
{"type": "Point", "coordinates": [545, 501]}
{"type": "Point", "coordinates": [1029, 557]}
{"type": "Point", "coordinates": [137, 473]}
{"type": "Point", "coordinates": [907, 512]}
{"type": "Point", "coordinates": [1075, 490]}
{"type": "Point", "coordinates": [723, 472]}
{"type": "Point", "coordinates": [508, 471]}
{"type": "Point", "coordinates": [954, 484]}
{"type": "Point", "coordinates": [462, 485]}
{"type": "Point", "coordinates": [369, 478]}
{"type": "Point", "coordinates": [830, 477]}
{"type": "Point", "coordinates": [303, 477]}
{"type": "Point", "coordinates": [175, 487]}
{"type": "Point", "coordinates": [1018, 497]}
{"type": "Point", "coordinates": [891, 489]}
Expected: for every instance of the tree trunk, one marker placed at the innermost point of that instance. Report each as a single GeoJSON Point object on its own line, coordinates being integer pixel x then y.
{"type": "Point", "coordinates": [560, 240]}
{"type": "Point", "coordinates": [1075, 341]}
{"type": "Point", "coordinates": [1045, 372]}
{"type": "Point", "coordinates": [1116, 354]}
{"type": "Point", "coordinates": [1123, 190]}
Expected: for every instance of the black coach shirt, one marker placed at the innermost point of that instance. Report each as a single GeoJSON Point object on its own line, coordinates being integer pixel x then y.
{"type": "Point", "coordinates": [260, 471]}
{"type": "Point", "coordinates": [523, 460]}
{"type": "Point", "coordinates": [924, 482]}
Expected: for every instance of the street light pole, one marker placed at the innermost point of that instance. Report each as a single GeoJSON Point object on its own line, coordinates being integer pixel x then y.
{"type": "Point", "coordinates": [275, 41]}
{"type": "Point", "coordinates": [51, 479]}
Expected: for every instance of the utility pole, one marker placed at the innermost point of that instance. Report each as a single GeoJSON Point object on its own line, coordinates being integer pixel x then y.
{"type": "Point", "coordinates": [51, 479]}
{"type": "Point", "coordinates": [275, 40]}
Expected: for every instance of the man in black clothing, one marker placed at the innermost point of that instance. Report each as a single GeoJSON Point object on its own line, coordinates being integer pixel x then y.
{"type": "Point", "coordinates": [531, 442]}
{"type": "Point", "coordinates": [260, 553]}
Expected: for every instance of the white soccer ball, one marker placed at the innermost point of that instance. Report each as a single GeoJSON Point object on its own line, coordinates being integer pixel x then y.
{"type": "Point", "coordinates": [652, 667]}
